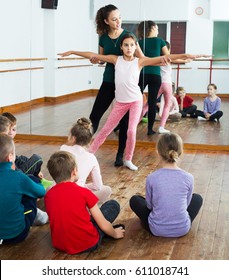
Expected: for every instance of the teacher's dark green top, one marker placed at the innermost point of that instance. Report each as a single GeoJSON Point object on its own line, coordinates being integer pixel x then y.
{"type": "Point", "coordinates": [110, 46]}
{"type": "Point", "coordinates": [152, 47]}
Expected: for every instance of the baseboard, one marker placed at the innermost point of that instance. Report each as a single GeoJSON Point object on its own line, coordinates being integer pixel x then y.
{"type": "Point", "coordinates": [62, 139]}
{"type": "Point", "coordinates": [25, 106]}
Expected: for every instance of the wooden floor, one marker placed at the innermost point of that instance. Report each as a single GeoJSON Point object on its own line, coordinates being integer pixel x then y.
{"type": "Point", "coordinates": [209, 236]}
{"type": "Point", "coordinates": [207, 240]}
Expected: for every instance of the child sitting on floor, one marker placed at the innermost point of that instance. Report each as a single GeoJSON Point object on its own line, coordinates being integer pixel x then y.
{"type": "Point", "coordinates": [170, 205]}
{"type": "Point", "coordinates": [29, 166]}
{"type": "Point", "coordinates": [185, 102]}
{"type": "Point", "coordinates": [77, 223]}
{"type": "Point", "coordinates": [212, 105]}
{"type": "Point", "coordinates": [79, 138]}
{"type": "Point", "coordinates": [18, 197]}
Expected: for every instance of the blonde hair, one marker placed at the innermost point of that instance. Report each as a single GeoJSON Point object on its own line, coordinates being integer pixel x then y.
{"type": "Point", "coordinates": [6, 147]}
{"type": "Point", "coordinates": [180, 89]}
{"type": "Point", "coordinates": [82, 132]}
{"type": "Point", "coordinates": [60, 166]}
{"type": "Point", "coordinates": [170, 147]}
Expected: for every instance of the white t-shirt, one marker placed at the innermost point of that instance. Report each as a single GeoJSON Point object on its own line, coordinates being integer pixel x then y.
{"type": "Point", "coordinates": [126, 80]}
{"type": "Point", "coordinates": [87, 164]}
{"type": "Point", "coordinates": [166, 74]}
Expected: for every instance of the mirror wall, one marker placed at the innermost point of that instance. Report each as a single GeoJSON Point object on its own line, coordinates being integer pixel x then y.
{"type": "Point", "coordinates": [47, 88]}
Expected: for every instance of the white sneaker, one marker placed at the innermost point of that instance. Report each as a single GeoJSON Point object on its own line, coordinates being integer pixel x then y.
{"type": "Point", "coordinates": [162, 130]}
{"type": "Point", "coordinates": [41, 218]}
{"type": "Point", "coordinates": [130, 165]}
{"type": "Point", "coordinates": [201, 118]}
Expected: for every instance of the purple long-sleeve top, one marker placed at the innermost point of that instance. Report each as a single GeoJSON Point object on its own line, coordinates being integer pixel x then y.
{"type": "Point", "coordinates": [211, 107]}
{"type": "Point", "coordinates": [168, 194]}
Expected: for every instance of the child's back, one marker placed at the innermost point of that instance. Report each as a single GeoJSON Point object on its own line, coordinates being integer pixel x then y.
{"type": "Point", "coordinates": [15, 189]}
{"type": "Point", "coordinates": [76, 222]}
{"type": "Point", "coordinates": [170, 205]}
{"type": "Point", "coordinates": [179, 185]}
{"type": "Point", "coordinates": [70, 222]}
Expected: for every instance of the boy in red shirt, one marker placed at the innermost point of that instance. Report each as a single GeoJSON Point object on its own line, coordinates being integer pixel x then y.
{"type": "Point", "coordinates": [185, 102]}
{"type": "Point", "coordinates": [77, 223]}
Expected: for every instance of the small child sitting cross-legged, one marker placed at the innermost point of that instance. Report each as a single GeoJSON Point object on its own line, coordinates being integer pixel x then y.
{"type": "Point", "coordinates": [18, 197]}
{"type": "Point", "coordinates": [212, 104]}
{"type": "Point", "coordinates": [77, 223]}
{"type": "Point", "coordinates": [170, 205]}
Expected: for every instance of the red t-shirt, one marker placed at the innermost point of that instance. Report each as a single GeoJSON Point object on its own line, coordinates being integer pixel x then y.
{"type": "Point", "coordinates": [67, 206]}
{"type": "Point", "coordinates": [187, 101]}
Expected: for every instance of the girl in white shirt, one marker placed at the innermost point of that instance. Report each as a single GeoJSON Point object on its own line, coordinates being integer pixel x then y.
{"type": "Point", "coordinates": [79, 138]}
{"type": "Point", "coordinates": [127, 92]}
{"type": "Point", "coordinates": [166, 89]}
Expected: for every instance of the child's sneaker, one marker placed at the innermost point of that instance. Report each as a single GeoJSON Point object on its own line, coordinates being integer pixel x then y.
{"type": "Point", "coordinates": [162, 130]}
{"type": "Point", "coordinates": [130, 165]}
{"type": "Point", "coordinates": [46, 183]}
{"type": "Point", "coordinates": [41, 218]}
{"type": "Point", "coordinates": [201, 118]}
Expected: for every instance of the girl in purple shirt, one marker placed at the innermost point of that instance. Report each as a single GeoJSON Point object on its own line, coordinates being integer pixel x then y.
{"type": "Point", "coordinates": [170, 205]}
{"type": "Point", "coordinates": [212, 105]}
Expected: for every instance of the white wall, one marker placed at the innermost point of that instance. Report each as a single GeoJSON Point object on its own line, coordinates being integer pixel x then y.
{"type": "Point", "coordinates": [30, 31]}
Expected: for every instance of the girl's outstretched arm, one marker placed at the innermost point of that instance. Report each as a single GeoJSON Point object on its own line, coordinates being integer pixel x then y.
{"type": "Point", "coordinates": [165, 59]}
{"type": "Point", "coordinates": [107, 58]}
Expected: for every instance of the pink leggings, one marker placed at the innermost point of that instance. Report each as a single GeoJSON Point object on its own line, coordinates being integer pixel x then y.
{"type": "Point", "coordinates": [118, 111]}
{"type": "Point", "coordinates": [166, 90]}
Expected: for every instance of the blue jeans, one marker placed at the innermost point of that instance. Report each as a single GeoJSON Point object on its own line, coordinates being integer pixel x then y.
{"type": "Point", "coordinates": [110, 210]}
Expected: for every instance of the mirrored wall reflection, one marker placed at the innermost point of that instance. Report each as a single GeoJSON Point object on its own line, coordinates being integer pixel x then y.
{"type": "Point", "coordinates": [47, 88]}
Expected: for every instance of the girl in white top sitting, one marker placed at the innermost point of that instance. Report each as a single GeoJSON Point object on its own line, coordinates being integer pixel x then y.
{"type": "Point", "coordinates": [127, 92]}
{"type": "Point", "coordinates": [78, 140]}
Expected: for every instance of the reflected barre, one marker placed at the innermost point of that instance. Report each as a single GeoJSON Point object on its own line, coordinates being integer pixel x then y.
{"type": "Point", "coordinates": [178, 68]}
{"type": "Point", "coordinates": [213, 68]}
{"type": "Point", "coordinates": [211, 61]}
{"type": "Point", "coordinates": [72, 66]}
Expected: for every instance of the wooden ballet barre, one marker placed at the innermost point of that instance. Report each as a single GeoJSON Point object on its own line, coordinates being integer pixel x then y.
{"type": "Point", "coordinates": [71, 58]}
{"type": "Point", "coordinates": [20, 69]}
{"type": "Point", "coordinates": [74, 66]}
{"type": "Point", "coordinates": [211, 59]}
{"type": "Point", "coordinates": [22, 59]}
{"type": "Point", "coordinates": [182, 68]}
{"type": "Point", "coordinates": [213, 68]}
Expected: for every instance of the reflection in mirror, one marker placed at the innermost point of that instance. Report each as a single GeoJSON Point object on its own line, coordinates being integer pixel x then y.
{"type": "Point", "coordinates": [32, 71]}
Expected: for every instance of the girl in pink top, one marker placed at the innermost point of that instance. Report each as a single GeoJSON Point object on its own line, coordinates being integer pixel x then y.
{"type": "Point", "coordinates": [79, 138]}
{"type": "Point", "coordinates": [127, 92]}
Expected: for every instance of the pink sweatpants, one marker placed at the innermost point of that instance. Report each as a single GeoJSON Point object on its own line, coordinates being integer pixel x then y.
{"type": "Point", "coordinates": [118, 111]}
{"type": "Point", "coordinates": [166, 90]}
